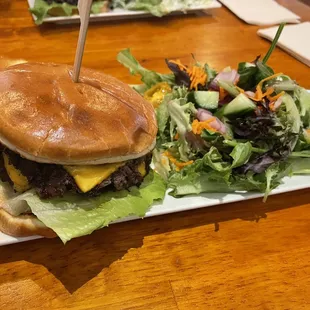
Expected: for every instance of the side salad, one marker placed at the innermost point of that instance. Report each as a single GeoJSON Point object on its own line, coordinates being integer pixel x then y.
{"type": "Point", "coordinates": [159, 8]}
{"type": "Point", "coordinates": [238, 129]}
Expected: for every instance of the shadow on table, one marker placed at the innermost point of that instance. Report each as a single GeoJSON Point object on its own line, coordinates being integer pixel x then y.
{"type": "Point", "coordinates": [84, 258]}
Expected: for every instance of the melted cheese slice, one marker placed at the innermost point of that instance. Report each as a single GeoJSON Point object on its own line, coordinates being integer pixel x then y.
{"type": "Point", "coordinates": [141, 169]}
{"type": "Point", "coordinates": [87, 177]}
{"type": "Point", "coordinates": [20, 181]}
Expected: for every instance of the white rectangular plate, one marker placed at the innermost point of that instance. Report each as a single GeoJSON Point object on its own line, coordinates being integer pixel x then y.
{"type": "Point", "coordinates": [119, 14]}
{"type": "Point", "coordinates": [171, 204]}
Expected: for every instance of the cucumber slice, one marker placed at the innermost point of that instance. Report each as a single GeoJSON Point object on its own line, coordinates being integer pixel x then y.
{"type": "Point", "coordinates": [205, 99]}
{"type": "Point", "coordinates": [239, 106]}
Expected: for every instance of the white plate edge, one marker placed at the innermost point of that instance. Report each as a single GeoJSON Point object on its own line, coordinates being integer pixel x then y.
{"type": "Point", "coordinates": [195, 202]}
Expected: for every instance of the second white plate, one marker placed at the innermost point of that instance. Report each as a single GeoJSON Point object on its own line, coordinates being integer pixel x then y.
{"type": "Point", "coordinates": [119, 14]}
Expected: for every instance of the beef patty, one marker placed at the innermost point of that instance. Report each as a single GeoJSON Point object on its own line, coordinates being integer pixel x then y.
{"type": "Point", "coordinates": [50, 180]}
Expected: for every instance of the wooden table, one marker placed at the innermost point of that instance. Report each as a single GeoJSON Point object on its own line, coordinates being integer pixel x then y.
{"type": "Point", "coordinates": [247, 255]}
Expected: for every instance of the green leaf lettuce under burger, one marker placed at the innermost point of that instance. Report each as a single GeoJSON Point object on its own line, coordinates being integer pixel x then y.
{"type": "Point", "coordinates": [72, 217]}
{"type": "Point", "coordinates": [80, 164]}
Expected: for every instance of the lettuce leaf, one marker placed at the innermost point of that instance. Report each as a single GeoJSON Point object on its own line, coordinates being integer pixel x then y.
{"type": "Point", "coordinates": [252, 73]}
{"type": "Point", "coordinates": [72, 217]}
{"type": "Point", "coordinates": [159, 7]}
{"type": "Point", "coordinates": [300, 166]}
{"type": "Point", "coordinates": [162, 115]}
{"type": "Point", "coordinates": [271, 174]}
{"type": "Point", "coordinates": [203, 181]}
{"type": "Point", "coordinates": [148, 77]}
{"type": "Point", "coordinates": [196, 183]}
{"type": "Point", "coordinates": [215, 173]}
{"type": "Point", "coordinates": [241, 154]}
{"type": "Point", "coordinates": [41, 9]}
{"type": "Point", "coordinates": [214, 160]}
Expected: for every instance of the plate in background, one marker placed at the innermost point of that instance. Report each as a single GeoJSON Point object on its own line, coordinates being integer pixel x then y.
{"type": "Point", "coordinates": [119, 14]}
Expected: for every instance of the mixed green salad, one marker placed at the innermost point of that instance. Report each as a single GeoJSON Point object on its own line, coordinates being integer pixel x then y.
{"type": "Point", "coordinates": [48, 8]}
{"type": "Point", "coordinates": [238, 129]}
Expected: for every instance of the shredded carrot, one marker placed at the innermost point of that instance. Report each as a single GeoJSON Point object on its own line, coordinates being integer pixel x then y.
{"type": "Point", "coordinates": [260, 84]}
{"type": "Point", "coordinates": [308, 130]}
{"type": "Point", "coordinates": [176, 137]}
{"type": "Point", "coordinates": [268, 92]}
{"type": "Point", "coordinates": [274, 98]}
{"type": "Point", "coordinates": [259, 93]}
{"type": "Point", "coordinates": [198, 127]}
{"type": "Point", "coordinates": [223, 93]}
{"type": "Point", "coordinates": [179, 165]}
{"type": "Point", "coordinates": [195, 126]}
{"type": "Point", "coordinates": [179, 64]}
{"type": "Point", "coordinates": [196, 74]}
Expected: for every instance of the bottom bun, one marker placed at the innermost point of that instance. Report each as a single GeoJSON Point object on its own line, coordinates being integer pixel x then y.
{"type": "Point", "coordinates": [23, 226]}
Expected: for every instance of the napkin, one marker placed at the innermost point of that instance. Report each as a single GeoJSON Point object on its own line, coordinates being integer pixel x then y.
{"type": "Point", "coordinates": [294, 39]}
{"type": "Point", "coordinates": [261, 12]}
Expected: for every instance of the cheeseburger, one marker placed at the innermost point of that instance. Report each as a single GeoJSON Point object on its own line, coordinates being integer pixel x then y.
{"type": "Point", "coordinates": [58, 137]}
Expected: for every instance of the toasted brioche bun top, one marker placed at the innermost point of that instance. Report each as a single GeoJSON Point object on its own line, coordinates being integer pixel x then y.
{"type": "Point", "coordinates": [45, 117]}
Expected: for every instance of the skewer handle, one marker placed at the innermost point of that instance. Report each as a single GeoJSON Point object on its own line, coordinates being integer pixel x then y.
{"type": "Point", "coordinates": [84, 7]}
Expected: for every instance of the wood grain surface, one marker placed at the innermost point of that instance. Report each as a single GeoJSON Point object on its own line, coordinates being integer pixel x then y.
{"type": "Point", "coordinates": [247, 255]}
